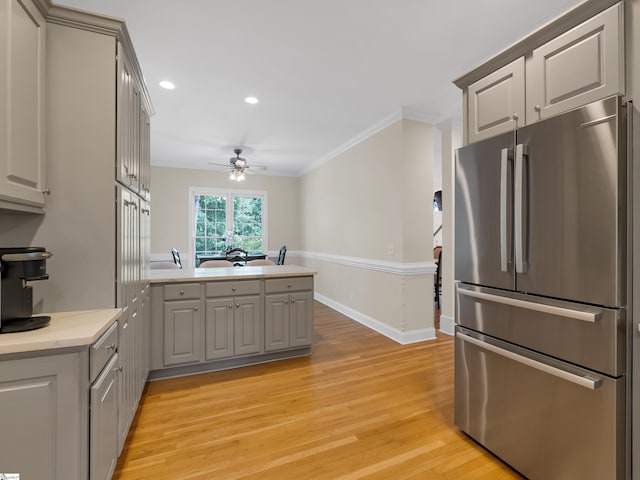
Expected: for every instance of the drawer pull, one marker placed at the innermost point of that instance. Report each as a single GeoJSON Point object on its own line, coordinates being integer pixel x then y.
{"type": "Point", "coordinates": [230, 306]}
{"type": "Point", "coordinates": [293, 301]}
{"type": "Point", "coordinates": [111, 347]}
{"type": "Point", "coordinates": [233, 289]}
{"type": "Point", "coordinates": [195, 308]}
{"type": "Point", "coordinates": [118, 369]}
{"type": "Point", "coordinates": [181, 292]}
{"type": "Point", "coordinates": [538, 307]}
{"type": "Point", "coordinates": [237, 305]}
{"type": "Point", "coordinates": [286, 301]}
{"type": "Point", "coordinates": [288, 285]}
{"type": "Point", "coordinates": [585, 382]}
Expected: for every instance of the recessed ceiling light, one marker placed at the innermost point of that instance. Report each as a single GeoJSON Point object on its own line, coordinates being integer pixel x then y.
{"type": "Point", "coordinates": [167, 84]}
{"type": "Point", "coordinates": [251, 100]}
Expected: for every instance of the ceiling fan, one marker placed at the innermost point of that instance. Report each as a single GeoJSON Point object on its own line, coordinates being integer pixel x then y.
{"type": "Point", "coordinates": [238, 166]}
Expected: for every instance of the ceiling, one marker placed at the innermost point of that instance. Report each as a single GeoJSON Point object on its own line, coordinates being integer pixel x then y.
{"type": "Point", "coordinates": [324, 71]}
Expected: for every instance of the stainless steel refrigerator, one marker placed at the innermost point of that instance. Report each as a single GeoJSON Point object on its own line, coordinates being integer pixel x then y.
{"type": "Point", "coordinates": [541, 329]}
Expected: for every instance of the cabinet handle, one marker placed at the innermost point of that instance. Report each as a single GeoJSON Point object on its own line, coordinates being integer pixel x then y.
{"type": "Point", "coordinates": [289, 285]}
{"type": "Point", "coordinates": [181, 292]}
{"type": "Point", "coordinates": [196, 308]}
{"type": "Point", "coordinates": [286, 301]}
{"type": "Point", "coordinates": [133, 176]}
{"type": "Point", "coordinates": [293, 301]}
{"type": "Point", "coordinates": [110, 347]}
{"type": "Point", "coordinates": [515, 116]}
{"type": "Point", "coordinates": [117, 369]}
{"type": "Point", "coordinates": [237, 305]}
{"type": "Point", "coordinates": [233, 289]}
{"type": "Point", "coordinates": [537, 108]}
{"type": "Point", "coordinates": [46, 191]}
{"type": "Point", "coordinates": [230, 306]}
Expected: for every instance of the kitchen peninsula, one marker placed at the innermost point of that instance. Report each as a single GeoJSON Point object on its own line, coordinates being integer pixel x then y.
{"type": "Point", "coordinates": [251, 315]}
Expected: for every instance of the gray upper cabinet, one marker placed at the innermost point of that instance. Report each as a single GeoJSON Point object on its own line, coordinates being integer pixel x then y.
{"type": "Point", "coordinates": [22, 62]}
{"type": "Point", "coordinates": [574, 60]}
{"type": "Point", "coordinates": [582, 65]}
{"type": "Point", "coordinates": [496, 103]}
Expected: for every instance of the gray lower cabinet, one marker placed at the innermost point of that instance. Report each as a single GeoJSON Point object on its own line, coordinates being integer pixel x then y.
{"type": "Point", "coordinates": [233, 326]}
{"type": "Point", "coordinates": [182, 330]}
{"type": "Point", "coordinates": [104, 443]}
{"type": "Point", "coordinates": [244, 321]}
{"type": "Point", "coordinates": [44, 436]}
{"type": "Point", "coordinates": [288, 320]}
{"type": "Point", "coordinates": [288, 316]}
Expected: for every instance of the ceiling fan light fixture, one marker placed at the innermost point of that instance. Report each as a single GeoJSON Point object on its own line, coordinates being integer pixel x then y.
{"type": "Point", "coordinates": [240, 162]}
{"type": "Point", "coordinates": [251, 100]}
{"type": "Point", "coordinates": [240, 177]}
{"type": "Point", "coordinates": [233, 175]}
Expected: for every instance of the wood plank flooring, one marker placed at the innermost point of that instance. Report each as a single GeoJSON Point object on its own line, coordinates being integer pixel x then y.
{"type": "Point", "coordinates": [361, 407]}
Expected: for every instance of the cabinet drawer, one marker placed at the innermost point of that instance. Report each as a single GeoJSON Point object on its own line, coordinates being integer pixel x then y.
{"type": "Point", "coordinates": [102, 350]}
{"type": "Point", "coordinates": [290, 284]}
{"type": "Point", "coordinates": [181, 291]}
{"type": "Point", "coordinates": [225, 289]}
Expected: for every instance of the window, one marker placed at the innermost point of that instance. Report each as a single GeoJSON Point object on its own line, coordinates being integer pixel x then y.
{"type": "Point", "coordinates": [221, 219]}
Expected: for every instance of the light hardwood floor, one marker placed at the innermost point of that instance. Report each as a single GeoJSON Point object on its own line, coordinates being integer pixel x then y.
{"type": "Point", "coordinates": [361, 407]}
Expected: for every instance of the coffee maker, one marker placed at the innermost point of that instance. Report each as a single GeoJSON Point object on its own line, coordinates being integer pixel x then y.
{"type": "Point", "coordinates": [18, 266]}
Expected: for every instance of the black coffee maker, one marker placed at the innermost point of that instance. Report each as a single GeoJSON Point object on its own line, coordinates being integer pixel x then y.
{"type": "Point", "coordinates": [18, 266]}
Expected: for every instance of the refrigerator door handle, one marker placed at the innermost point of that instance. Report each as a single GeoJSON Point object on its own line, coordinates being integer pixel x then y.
{"type": "Point", "coordinates": [505, 157]}
{"type": "Point", "coordinates": [519, 205]}
{"type": "Point", "coordinates": [583, 381]}
{"type": "Point", "coordinates": [590, 317]}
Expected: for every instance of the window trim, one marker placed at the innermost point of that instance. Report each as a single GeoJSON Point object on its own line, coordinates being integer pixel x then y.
{"type": "Point", "coordinates": [230, 193]}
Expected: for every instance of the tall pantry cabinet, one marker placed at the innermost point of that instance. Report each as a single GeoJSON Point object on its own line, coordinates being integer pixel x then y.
{"type": "Point", "coordinates": [96, 220]}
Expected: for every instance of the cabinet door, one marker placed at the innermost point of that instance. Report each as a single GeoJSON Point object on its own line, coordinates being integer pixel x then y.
{"type": "Point", "coordinates": [145, 155]}
{"type": "Point", "coordinates": [182, 330]}
{"type": "Point", "coordinates": [126, 141]}
{"type": "Point", "coordinates": [301, 319]}
{"type": "Point", "coordinates": [582, 65]}
{"type": "Point", "coordinates": [22, 57]}
{"type": "Point", "coordinates": [104, 423]}
{"type": "Point", "coordinates": [247, 325]}
{"type": "Point", "coordinates": [219, 328]}
{"type": "Point", "coordinates": [276, 321]}
{"type": "Point", "coordinates": [44, 417]}
{"type": "Point", "coordinates": [496, 102]}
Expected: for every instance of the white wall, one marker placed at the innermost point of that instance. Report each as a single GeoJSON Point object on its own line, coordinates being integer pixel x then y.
{"type": "Point", "coordinates": [451, 140]}
{"type": "Point", "coordinates": [366, 220]}
{"type": "Point", "coordinates": [170, 207]}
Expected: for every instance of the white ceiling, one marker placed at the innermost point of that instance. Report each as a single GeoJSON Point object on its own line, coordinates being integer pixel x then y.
{"type": "Point", "coordinates": [325, 71]}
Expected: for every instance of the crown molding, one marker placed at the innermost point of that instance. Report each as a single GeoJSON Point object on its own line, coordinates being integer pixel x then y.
{"type": "Point", "coordinates": [418, 116]}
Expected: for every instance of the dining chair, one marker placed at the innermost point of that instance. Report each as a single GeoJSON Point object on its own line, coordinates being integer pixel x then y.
{"type": "Point", "coordinates": [176, 257]}
{"type": "Point", "coordinates": [216, 263]}
{"type": "Point", "coordinates": [283, 252]}
{"type": "Point", "coordinates": [260, 262]}
{"type": "Point", "coordinates": [163, 266]}
{"type": "Point", "coordinates": [237, 256]}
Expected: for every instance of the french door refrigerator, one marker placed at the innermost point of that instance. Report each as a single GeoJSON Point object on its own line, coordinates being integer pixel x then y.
{"type": "Point", "coordinates": [541, 240]}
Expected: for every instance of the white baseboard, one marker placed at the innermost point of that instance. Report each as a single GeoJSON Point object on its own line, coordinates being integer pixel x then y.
{"type": "Point", "coordinates": [447, 325]}
{"type": "Point", "coordinates": [403, 338]}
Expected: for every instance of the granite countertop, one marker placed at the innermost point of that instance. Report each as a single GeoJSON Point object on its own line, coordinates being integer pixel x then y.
{"type": "Point", "coordinates": [227, 273]}
{"type": "Point", "coordinates": [66, 330]}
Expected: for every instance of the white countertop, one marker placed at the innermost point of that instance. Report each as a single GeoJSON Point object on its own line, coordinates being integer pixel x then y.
{"type": "Point", "coordinates": [227, 273]}
{"type": "Point", "coordinates": [67, 329]}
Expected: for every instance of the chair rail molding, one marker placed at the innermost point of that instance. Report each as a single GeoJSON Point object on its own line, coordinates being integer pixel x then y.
{"type": "Point", "coordinates": [396, 268]}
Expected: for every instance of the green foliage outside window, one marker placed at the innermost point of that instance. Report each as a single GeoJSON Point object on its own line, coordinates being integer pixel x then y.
{"type": "Point", "coordinates": [211, 223]}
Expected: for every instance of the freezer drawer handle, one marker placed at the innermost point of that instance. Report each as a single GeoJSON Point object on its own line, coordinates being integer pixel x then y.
{"type": "Point", "coordinates": [591, 317]}
{"type": "Point", "coordinates": [585, 382]}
